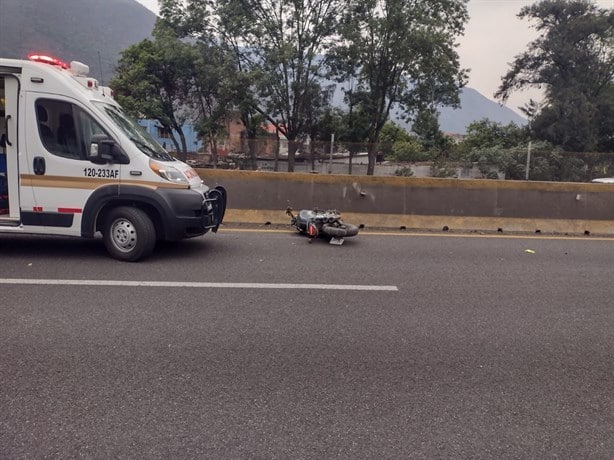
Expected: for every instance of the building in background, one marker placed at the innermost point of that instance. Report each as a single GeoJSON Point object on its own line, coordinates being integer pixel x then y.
{"type": "Point", "coordinates": [234, 141]}
{"type": "Point", "coordinates": [163, 136]}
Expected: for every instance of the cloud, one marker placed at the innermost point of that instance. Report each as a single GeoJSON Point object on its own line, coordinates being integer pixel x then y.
{"type": "Point", "coordinates": [150, 4]}
{"type": "Point", "coordinates": [494, 36]}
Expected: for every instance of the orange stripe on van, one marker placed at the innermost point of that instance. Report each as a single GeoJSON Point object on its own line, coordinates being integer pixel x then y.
{"type": "Point", "coordinates": [89, 183]}
{"type": "Point", "coordinates": [64, 182]}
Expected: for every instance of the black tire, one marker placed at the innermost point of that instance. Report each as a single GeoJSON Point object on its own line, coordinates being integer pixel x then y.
{"type": "Point", "coordinates": [129, 234]}
{"type": "Point", "coordinates": [351, 229]}
{"type": "Point", "coordinates": [342, 231]}
{"type": "Point", "coordinates": [335, 232]}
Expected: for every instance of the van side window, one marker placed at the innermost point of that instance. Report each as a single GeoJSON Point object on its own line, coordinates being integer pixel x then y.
{"type": "Point", "coordinates": [65, 130]}
{"type": "Point", "coordinates": [44, 130]}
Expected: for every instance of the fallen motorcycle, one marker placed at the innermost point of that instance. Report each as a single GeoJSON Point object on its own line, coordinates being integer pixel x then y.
{"type": "Point", "coordinates": [322, 223]}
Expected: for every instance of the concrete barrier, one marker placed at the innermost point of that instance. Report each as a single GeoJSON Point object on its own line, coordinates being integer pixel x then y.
{"type": "Point", "coordinates": [420, 203]}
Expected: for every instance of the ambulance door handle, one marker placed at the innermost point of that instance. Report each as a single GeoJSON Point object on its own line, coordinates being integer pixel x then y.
{"type": "Point", "coordinates": [39, 165]}
{"type": "Point", "coordinates": [6, 139]}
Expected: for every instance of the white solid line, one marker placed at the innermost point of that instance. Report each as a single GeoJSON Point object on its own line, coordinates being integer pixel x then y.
{"type": "Point", "coordinates": [183, 284]}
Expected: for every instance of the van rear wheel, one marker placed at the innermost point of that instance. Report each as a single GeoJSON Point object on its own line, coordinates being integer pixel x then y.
{"type": "Point", "coordinates": [129, 234]}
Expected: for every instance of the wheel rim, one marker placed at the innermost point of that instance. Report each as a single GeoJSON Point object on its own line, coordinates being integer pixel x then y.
{"type": "Point", "coordinates": [123, 235]}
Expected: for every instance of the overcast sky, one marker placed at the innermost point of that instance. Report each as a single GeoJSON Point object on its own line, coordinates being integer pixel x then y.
{"type": "Point", "coordinates": [493, 37]}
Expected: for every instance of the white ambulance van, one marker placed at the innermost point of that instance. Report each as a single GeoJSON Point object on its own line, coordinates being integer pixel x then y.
{"type": "Point", "coordinates": [73, 163]}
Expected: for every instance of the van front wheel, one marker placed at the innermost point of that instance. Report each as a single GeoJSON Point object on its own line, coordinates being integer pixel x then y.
{"type": "Point", "coordinates": [129, 234]}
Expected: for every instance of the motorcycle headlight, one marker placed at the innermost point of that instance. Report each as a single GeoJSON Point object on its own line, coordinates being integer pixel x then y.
{"type": "Point", "coordinates": [168, 172]}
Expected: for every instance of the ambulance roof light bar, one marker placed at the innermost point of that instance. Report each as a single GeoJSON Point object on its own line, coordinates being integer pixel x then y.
{"type": "Point", "coordinates": [47, 60]}
{"type": "Point", "coordinates": [77, 68]}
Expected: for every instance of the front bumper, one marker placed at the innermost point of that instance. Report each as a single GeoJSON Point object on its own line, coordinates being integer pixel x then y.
{"type": "Point", "coordinates": [190, 213]}
{"type": "Point", "coordinates": [214, 208]}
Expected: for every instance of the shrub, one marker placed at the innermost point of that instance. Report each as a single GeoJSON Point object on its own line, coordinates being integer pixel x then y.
{"type": "Point", "coordinates": [405, 171]}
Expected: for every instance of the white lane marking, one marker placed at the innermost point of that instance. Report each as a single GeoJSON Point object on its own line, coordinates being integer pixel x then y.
{"type": "Point", "coordinates": [435, 234]}
{"type": "Point", "coordinates": [183, 284]}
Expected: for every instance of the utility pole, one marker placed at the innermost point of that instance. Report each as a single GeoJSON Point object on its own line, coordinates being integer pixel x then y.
{"type": "Point", "coordinates": [330, 159]}
{"type": "Point", "coordinates": [526, 173]}
{"type": "Point", "coordinates": [100, 65]}
{"type": "Point", "coordinates": [530, 117]}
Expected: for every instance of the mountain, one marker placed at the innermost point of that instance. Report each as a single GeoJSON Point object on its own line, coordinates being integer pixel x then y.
{"type": "Point", "coordinates": [90, 31]}
{"type": "Point", "coordinates": [475, 107]}
{"type": "Point", "coordinates": [95, 31]}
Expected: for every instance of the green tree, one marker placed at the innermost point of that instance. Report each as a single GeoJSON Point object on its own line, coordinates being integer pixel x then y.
{"type": "Point", "coordinates": [398, 145]}
{"type": "Point", "coordinates": [177, 82]}
{"type": "Point", "coordinates": [279, 43]}
{"type": "Point", "coordinates": [426, 126]}
{"type": "Point", "coordinates": [548, 163]}
{"type": "Point", "coordinates": [217, 24]}
{"type": "Point", "coordinates": [317, 121]}
{"type": "Point", "coordinates": [391, 133]}
{"type": "Point", "coordinates": [485, 134]}
{"type": "Point", "coordinates": [410, 149]}
{"type": "Point", "coordinates": [573, 60]}
{"type": "Point", "coordinates": [283, 45]}
{"type": "Point", "coordinates": [357, 122]}
{"type": "Point", "coordinates": [213, 94]}
{"type": "Point", "coordinates": [487, 144]}
{"type": "Point", "coordinates": [349, 128]}
{"type": "Point", "coordinates": [153, 81]}
{"type": "Point", "coordinates": [400, 52]}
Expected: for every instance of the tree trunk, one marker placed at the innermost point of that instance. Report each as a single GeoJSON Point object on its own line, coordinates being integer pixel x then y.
{"type": "Point", "coordinates": [312, 154]}
{"type": "Point", "coordinates": [276, 155]}
{"type": "Point", "coordinates": [214, 158]}
{"type": "Point", "coordinates": [250, 139]}
{"type": "Point", "coordinates": [251, 148]}
{"type": "Point", "coordinates": [183, 154]}
{"type": "Point", "coordinates": [176, 144]}
{"type": "Point", "coordinates": [372, 157]}
{"type": "Point", "coordinates": [292, 148]}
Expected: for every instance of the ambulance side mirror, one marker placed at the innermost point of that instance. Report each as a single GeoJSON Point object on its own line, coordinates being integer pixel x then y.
{"type": "Point", "coordinates": [104, 150]}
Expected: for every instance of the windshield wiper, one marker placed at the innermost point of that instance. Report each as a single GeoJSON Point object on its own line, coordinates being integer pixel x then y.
{"type": "Point", "coordinates": [154, 153]}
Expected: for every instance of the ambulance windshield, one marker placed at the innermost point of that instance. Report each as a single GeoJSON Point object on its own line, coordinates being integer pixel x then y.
{"type": "Point", "coordinates": [137, 134]}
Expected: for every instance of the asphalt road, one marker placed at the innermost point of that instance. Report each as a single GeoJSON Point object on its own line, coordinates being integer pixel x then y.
{"type": "Point", "coordinates": [406, 346]}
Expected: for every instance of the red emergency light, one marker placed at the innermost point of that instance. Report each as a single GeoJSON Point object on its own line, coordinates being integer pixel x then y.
{"type": "Point", "coordinates": [47, 60]}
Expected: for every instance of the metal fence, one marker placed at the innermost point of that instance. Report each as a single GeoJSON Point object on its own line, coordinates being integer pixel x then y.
{"type": "Point", "coordinates": [344, 158]}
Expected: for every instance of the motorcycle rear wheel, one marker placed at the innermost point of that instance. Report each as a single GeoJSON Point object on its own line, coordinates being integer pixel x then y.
{"type": "Point", "coordinates": [342, 231]}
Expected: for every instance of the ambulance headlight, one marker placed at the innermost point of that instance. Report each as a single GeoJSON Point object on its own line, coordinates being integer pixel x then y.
{"type": "Point", "coordinates": [168, 172]}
